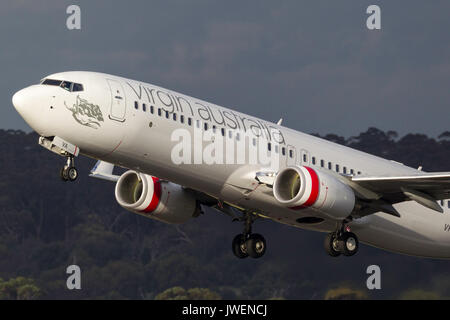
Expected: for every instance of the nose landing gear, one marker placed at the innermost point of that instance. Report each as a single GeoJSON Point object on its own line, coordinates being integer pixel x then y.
{"type": "Point", "coordinates": [65, 149]}
{"type": "Point", "coordinates": [69, 172]}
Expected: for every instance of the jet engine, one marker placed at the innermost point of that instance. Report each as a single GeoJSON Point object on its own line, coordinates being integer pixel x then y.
{"type": "Point", "coordinates": [301, 187]}
{"type": "Point", "coordinates": [151, 197]}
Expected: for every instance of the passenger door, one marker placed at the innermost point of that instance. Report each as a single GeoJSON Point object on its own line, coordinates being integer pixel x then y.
{"type": "Point", "coordinates": [118, 101]}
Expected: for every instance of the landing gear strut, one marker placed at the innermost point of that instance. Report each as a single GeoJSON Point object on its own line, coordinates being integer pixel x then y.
{"type": "Point", "coordinates": [340, 242]}
{"type": "Point", "coordinates": [69, 172]}
{"type": "Point", "coordinates": [248, 243]}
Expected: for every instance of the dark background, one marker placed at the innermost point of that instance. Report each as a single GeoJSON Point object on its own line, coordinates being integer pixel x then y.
{"type": "Point", "coordinates": [47, 225]}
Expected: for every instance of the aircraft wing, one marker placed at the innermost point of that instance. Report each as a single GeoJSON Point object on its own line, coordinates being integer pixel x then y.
{"type": "Point", "coordinates": [436, 184]}
{"type": "Point", "coordinates": [424, 188]}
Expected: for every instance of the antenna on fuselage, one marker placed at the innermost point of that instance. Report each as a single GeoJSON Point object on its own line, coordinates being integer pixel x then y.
{"type": "Point", "coordinates": [280, 121]}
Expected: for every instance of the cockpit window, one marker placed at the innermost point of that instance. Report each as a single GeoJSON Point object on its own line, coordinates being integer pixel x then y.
{"type": "Point", "coordinates": [51, 82]}
{"type": "Point", "coordinates": [77, 87]}
{"type": "Point", "coordinates": [66, 85]}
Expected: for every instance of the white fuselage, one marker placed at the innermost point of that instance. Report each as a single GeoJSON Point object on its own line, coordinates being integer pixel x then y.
{"type": "Point", "coordinates": [141, 140]}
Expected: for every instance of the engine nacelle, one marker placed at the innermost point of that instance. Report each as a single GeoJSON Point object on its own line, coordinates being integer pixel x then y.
{"type": "Point", "coordinates": [302, 187]}
{"type": "Point", "coordinates": [161, 200]}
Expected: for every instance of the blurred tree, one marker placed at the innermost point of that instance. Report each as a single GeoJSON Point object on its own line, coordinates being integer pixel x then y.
{"type": "Point", "coordinates": [179, 293]}
{"type": "Point", "coordinates": [19, 288]}
{"type": "Point", "coordinates": [345, 293]}
{"type": "Point", "coordinates": [419, 294]}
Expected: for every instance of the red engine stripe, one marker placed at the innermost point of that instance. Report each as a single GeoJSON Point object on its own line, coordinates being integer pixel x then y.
{"type": "Point", "coordinates": [314, 190]}
{"type": "Point", "coordinates": [156, 196]}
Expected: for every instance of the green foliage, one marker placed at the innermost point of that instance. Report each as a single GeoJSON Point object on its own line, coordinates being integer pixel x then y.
{"type": "Point", "coordinates": [19, 288]}
{"type": "Point", "coordinates": [419, 294]}
{"type": "Point", "coordinates": [179, 293]}
{"type": "Point", "coordinates": [345, 293]}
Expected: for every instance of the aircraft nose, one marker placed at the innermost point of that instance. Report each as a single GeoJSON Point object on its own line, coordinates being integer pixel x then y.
{"type": "Point", "coordinates": [29, 104]}
{"type": "Point", "coordinates": [19, 100]}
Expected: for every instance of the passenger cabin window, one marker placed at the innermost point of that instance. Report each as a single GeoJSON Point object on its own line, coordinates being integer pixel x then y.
{"type": "Point", "coordinates": [159, 112]}
{"type": "Point", "coordinates": [330, 166]}
{"type": "Point", "coordinates": [152, 110]}
{"type": "Point", "coordinates": [144, 107]}
{"type": "Point", "coordinates": [322, 163]}
{"type": "Point", "coordinates": [313, 160]}
{"type": "Point", "coordinates": [181, 118]}
{"type": "Point", "coordinates": [305, 158]}
{"type": "Point", "coordinates": [174, 117]}
{"type": "Point", "coordinates": [136, 105]}
{"type": "Point", "coordinates": [189, 121]}
{"type": "Point", "coordinates": [283, 150]}
{"type": "Point", "coordinates": [345, 170]}
{"type": "Point", "coordinates": [291, 153]}
{"type": "Point", "coordinates": [167, 114]}
{"type": "Point", "coordinates": [337, 168]}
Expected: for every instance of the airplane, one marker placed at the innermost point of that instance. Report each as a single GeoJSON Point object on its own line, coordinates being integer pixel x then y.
{"type": "Point", "coordinates": [160, 137]}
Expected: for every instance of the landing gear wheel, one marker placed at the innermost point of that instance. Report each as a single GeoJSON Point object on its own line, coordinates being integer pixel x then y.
{"type": "Point", "coordinates": [256, 245]}
{"type": "Point", "coordinates": [348, 244]}
{"type": "Point", "coordinates": [239, 247]}
{"type": "Point", "coordinates": [69, 172]}
{"type": "Point", "coordinates": [63, 174]}
{"type": "Point", "coordinates": [72, 174]}
{"type": "Point", "coordinates": [331, 245]}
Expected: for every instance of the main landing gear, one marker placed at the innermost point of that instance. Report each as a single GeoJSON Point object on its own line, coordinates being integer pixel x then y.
{"type": "Point", "coordinates": [342, 242]}
{"type": "Point", "coordinates": [69, 172]}
{"type": "Point", "coordinates": [249, 244]}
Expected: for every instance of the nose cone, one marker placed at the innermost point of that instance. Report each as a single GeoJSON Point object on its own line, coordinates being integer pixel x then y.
{"type": "Point", "coordinates": [19, 100]}
{"type": "Point", "coordinates": [29, 103]}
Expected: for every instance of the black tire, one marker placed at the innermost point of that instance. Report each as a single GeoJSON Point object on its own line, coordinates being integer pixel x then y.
{"type": "Point", "coordinates": [238, 246]}
{"type": "Point", "coordinates": [349, 244]}
{"type": "Point", "coordinates": [256, 245]}
{"type": "Point", "coordinates": [72, 174]}
{"type": "Point", "coordinates": [331, 245]}
{"type": "Point", "coordinates": [63, 174]}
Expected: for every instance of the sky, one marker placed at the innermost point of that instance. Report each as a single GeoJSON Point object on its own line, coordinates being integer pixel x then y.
{"type": "Point", "coordinates": [313, 63]}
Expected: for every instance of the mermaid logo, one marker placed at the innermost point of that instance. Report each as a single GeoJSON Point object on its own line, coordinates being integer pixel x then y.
{"type": "Point", "coordinates": [86, 113]}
